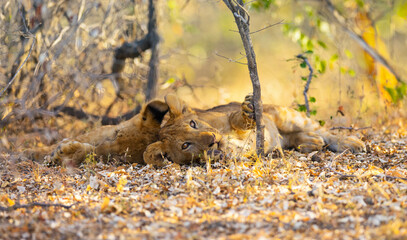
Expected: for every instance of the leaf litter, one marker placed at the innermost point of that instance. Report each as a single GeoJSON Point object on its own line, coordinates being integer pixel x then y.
{"type": "Point", "coordinates": [321, 195]}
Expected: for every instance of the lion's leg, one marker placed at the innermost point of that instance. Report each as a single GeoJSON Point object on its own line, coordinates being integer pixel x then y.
{"type": "Point", "coordinates": [272, 137]}
{"type": "Point", "coordinates": [304, 141]}
{"type": "Point", "coordinates": [338, 143]}
{"type": "Point", "coordinates": [70, 153]}
{"type": "Point", "coordinates": [244, 118]}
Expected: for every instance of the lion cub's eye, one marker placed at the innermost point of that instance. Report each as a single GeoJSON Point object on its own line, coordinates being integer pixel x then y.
{"type": "Point", "coordinates": [185, 145]}
{"type": "Point", "coordinates": [193, 124]}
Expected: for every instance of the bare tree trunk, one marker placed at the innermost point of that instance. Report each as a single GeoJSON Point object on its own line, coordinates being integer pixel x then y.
{"type": "Point", "coordinates": [242, 20]}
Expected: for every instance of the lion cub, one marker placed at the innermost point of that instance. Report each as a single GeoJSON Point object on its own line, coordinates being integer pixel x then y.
{"type": "Point", "coordinates": [190, 132]}
{"type": "Point", "coordinates": [129, 138]}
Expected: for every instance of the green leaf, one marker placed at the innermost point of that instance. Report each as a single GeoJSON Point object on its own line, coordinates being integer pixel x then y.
{"type": "Point", "coordinates": [334, 58]}
{"type": "Point", "coordinates": [261, 4]}
{"type": "Point", "coordinates": [313, 112]}
{"type": "Point", "coordinates": [348, 54]}
{"type": "Point", "coordinates": [397, 93]}
{"type": "Point", "coordinates": [322, 66]}
{"type": "Point", "coordinates": [304, 78]}
{"type": "Point", "coordinates": [351, 72]}
{"type": "Point", "coordinates": [322, 44]}
{"type": "Point", "coordinates": [312, 99]}
{"type": "Point", "coordinates": [309, 52]}
{"type": "Point", "coordinates": [360, 3]}
{"type": "Point", "coordinates": [321, 123]}
{"type": "Point", "coordinates": [301, 108]}
{"type": "Point", "coordinates": [310, 45]}
{"type": "Point", "coordinates": [303, 64]}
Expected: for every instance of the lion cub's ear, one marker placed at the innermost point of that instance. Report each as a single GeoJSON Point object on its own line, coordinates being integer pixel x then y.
{"type": "Point", "coordinates": [176, 105]}
{"type": "Point", "coordinates": [154, 154]}
{"type": "Point", "coordinates": [155, 110]}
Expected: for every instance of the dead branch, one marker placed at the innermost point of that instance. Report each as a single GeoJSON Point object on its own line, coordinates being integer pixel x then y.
{"type": "Point", "coordinates": [35, 204]}
{"type": "Point", "coordinates": [105, 120]}
{"type": "Point", "coordinates": [24, 38]}
{"type": "Point", "coordinates": [306, 87]}
{"type": "Point", "coordinates": [19, 69]}
{"type": "Point", "coordinates": [349, 128]}
{"type": "Point", "coordinates": [242, 19]}
{"type": "Point", "coordinates": [229, 59]}
{"type": "Point", "coordinates": [264, 28]}
{"type": "Point", "coordinates": [136, 48]}
{"type": "Point", "coordinates": [18, 115]}
{"type": "Point", "coordinates": [384, 176]}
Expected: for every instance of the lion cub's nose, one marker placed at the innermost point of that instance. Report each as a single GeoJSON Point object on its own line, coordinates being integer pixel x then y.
{"type": "Point", "coordinates": [213, 141]}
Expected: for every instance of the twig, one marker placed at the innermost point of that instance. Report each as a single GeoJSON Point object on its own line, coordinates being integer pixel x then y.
{"type": "Point", "coordinates": [385, 176]}
{"type": "Point", "coordinates": [19, 69]}
{"type": "Point", "coordinates": [229, 59]}
{"type": "Point", "coordinates": [349, 128]}
{"type": "Point", "coordinates": [269, 26]}
{"type": "Point", "coordinates": [261, 29]}
{"type": "Point", "coordinates": [333, 159]}
{"type": "Point", "coordinates": [184, 6]}
{"type": "Point", "coordinates": [36, 204]}
{"type": "Point", "coordinates": [306, 87]}
{"type": "Point", "coordinates": [105, 120]}
{"type": "Point", "coordinates": [27, 32]}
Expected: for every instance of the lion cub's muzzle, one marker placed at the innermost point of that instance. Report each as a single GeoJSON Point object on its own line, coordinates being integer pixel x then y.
{"type": "Point", "coordinates": [214, 150]}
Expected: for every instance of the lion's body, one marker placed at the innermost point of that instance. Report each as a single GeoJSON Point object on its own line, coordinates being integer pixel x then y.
{"type": "Point", "coordinates": [130, 139]}
{"type": "Point", "coordinates": [285, 128]}
{"type": "Point", "coordinates": [187, 134]}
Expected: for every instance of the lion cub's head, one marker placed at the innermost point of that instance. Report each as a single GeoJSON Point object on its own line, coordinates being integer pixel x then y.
{"type": "Point", "coordinates": [184, 138]}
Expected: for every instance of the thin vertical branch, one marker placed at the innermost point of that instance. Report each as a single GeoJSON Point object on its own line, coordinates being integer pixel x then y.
{"type": "Point", "coordinates": [136, 48]}
{"type": "Point", "coordinates": [242, 20]}
{"type": "Point", "coordinates": [306, 87]}
{"type": "Point", "coordinates": [151, 89]}
{"type": "Point", "coordinates": [18, 70]}
{"type": "Point", "coordinates": [26, 35]}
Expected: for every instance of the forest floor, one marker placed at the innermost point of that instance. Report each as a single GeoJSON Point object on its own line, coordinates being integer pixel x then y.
{"type": "Point", "coordinates": [320, 195]}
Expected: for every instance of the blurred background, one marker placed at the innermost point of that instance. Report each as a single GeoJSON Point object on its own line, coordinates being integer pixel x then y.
{"type": "Point", "coordinates": [57, 55]}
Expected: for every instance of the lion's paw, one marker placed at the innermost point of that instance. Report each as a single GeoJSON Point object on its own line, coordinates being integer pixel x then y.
{"type": "Point", "coordinates": [248, 109]}
{"type": "Point", "coordinates": [352, 143]}
{"type": "Point", "coordinates": [69, 153]}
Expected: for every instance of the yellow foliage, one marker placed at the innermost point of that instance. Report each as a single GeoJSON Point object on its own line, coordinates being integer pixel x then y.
{"type": "Point", "coordinates": [122, 182]}
{"type": "Point", "coordinates": [377, 71]}
{"type": "Point", "coordinates": [11, 202]}
{"type": "Point", "coordinates": [105, 204]}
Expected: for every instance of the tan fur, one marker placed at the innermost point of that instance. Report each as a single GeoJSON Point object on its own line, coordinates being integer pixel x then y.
{"type": "Point", "coordinates": [285, 128]}
{"type": "Point", "coordinates": [184, 127]}
{"type": "Point", "coordinates": [130, 139]}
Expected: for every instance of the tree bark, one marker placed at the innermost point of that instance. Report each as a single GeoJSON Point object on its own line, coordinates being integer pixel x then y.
{"type": "Point", "coordinates": [242, 20]}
